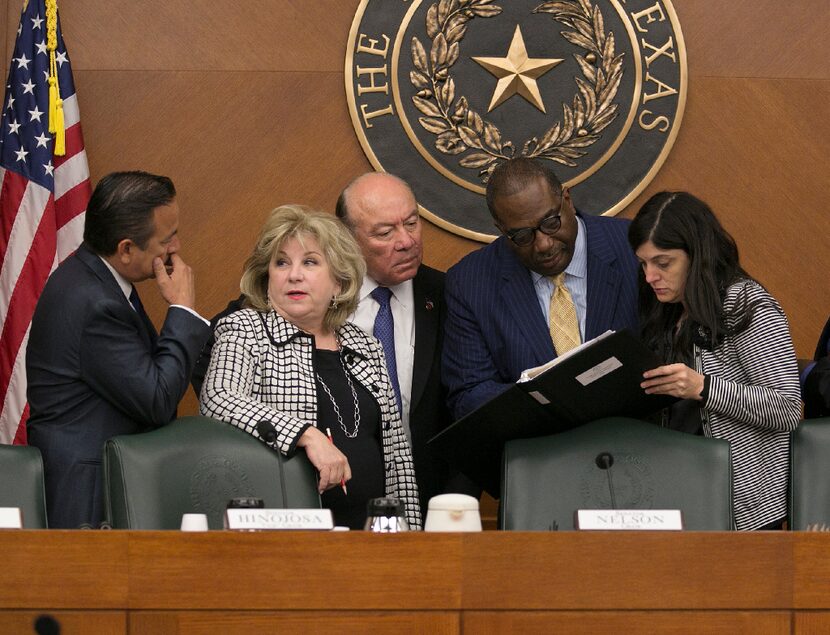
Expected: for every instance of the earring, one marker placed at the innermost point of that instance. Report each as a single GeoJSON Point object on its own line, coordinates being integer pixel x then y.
{"type": "Point", "coordinates": [333, 303]}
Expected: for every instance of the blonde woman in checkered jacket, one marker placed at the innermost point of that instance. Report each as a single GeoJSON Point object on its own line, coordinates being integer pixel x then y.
{"type": "Point", "coordinates": [727, 346]}
{"type": "Point", "coordinates": [290, 358]}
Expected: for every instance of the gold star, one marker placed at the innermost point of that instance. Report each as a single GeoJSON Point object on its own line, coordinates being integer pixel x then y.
{"type": "Point", "coordinates": [517, 73]}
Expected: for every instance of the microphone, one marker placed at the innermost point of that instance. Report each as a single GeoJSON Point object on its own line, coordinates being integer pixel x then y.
{"type": "Point", "coordinates": [268, 433]}
{"type": "Point", "coordinates": [604, 462]}
{"type": "Point", "coordinates": [47, 625]}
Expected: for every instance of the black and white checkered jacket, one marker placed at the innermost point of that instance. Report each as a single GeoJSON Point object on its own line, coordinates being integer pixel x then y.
{"type": "Point", "coordinates": [254, 377]}
{"type": "Point", "coordinates": [754, 402]}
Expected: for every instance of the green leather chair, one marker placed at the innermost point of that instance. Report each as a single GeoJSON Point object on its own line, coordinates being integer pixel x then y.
{"type": "Point", "coordinates": [810, 475]}
{"type": "Point", "coordinates": [196, 465]}
{"type": "Point", "coordinates": [21, 479]}
{"type": "Point", "coordinates": [547, 479]}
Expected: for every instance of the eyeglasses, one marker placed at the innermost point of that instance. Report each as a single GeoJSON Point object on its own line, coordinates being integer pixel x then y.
{"type": "Point", "coordinates": [524, 236]}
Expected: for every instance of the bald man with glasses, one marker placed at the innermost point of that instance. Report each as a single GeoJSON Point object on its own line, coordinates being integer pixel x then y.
{"type": "Point", "coordinates": [553, 279]}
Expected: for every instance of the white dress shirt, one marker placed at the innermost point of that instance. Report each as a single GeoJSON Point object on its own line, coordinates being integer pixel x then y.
{"type": "Point", "coordinates": [402, 303]}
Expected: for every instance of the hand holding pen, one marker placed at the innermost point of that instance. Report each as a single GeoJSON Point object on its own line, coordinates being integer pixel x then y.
{"type": "Point", "coordinates": [342, 480]}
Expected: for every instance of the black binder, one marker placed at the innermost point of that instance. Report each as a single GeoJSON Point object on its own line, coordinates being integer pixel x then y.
{"type": "Point", "coordinates": [599, 379]}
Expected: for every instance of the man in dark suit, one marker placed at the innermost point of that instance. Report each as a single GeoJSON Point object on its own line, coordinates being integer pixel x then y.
{"type": "Point", "coordinates": [816, 379]}
{"type": "Point", "coordinates": [381, 211]}
{"type": "Point", "coordinates": [553, 276]}
{"type": "Point", "coordinates": [96, 367]}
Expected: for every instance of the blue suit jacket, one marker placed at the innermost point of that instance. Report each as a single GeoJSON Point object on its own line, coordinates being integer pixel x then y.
{"type": "Point", "coordinates": [93, 373]}
{"type": "Point", "coordinates": [495, 328]}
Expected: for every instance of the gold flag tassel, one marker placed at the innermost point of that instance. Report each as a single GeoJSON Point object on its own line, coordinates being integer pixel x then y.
{"type": "Point", "coordinates": [56, 123]}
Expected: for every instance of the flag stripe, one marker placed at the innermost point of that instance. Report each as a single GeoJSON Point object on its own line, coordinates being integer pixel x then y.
{"type": "Point", "coordinates": [69, 237]}
{"type": "Point", "coordinates": [71, 113]}
{"type": "Point", "coordinates": [11, 194]}
{"type": "Point", "coordinates": [20, 435]}
{"type": "Point", "coordinates": [30, 281]}
{"type": "Point", "coordinates": [15, 409]}
{"type": "Point", "coordinates": [72, 203]}
{"type": "Point", "coordinates": [74, 145]}
{"type": "Point", "coordinates": [72, 172]}
{"type": "Point", "coordinates": [24, 230]}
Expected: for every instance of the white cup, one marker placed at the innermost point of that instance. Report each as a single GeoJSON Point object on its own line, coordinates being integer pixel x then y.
{"type": "Point", "coordinates": [194, 522]}
{"type": "Point", "coordinates": [453, 512]}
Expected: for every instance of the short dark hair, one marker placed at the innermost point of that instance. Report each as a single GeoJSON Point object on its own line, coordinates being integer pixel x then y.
{"type": "Point", "coordinates": [514, 175]}
{"type": "Point", "coordinates": [341, 209]}
{"type": "Point", "coordinates": [122, 207]}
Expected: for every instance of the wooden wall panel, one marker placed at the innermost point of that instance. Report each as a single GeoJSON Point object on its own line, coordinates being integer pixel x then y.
{"type": "Point", "coordinates": [244, 106]}
{"type": "Point", "coordinates": [10, 13]}
{"type": "Point", "coordinates": [167, 571]}
{"type": "Point", "coordinates": [811, 622]}
{"type": "Point", "coordinates": [92, 566]}
{"type": "Point", "coordinates": [293, 622]}
{"type": "Point", "coordinates": [756, 38]}
{"type": "Point", "coordinates": [675, 574]}
{"type": "Point", "coordinates": [71, 622]}
{"type": "Point", "coordinates": [662, 622]}
{"type": "Point", "coordinates": [208, 35]}
{"type": "Point", "coordinates": [232, 146]}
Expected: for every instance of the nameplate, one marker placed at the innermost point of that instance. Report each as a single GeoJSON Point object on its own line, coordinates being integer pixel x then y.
{"type": "Point", "coordinates": [648, 519]}
{"type": "Point", "coordinates": [11, 518]}
{"type": "Point", "coordinates": [275, 519]}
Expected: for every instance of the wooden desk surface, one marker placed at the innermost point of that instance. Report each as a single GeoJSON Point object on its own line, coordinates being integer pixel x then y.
{"type": "Point", "coordinates": [495, 580]}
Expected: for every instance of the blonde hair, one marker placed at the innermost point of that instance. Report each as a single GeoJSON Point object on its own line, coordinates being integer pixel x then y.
{"type": "Point", "coordinates": [336, 242]}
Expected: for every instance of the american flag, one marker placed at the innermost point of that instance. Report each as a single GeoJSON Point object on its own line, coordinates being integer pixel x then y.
{"type": "Point", "coordinates": [43, 198]}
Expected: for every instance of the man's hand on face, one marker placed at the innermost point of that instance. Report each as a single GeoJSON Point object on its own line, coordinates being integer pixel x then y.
{"type": "Point", "coordinates": [176, 281]}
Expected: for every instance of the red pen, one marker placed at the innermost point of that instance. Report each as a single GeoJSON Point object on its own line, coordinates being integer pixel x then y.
{"type": "Point", "coordinates": [342, 480]}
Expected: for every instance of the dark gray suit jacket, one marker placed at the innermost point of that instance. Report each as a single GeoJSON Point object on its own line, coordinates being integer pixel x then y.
{"type": "Point", "coordinates": [428, 411]}
{"type": "Point", "coordinates": [816, 389]}
{"type": "Point", "coordinates": [94, 372]}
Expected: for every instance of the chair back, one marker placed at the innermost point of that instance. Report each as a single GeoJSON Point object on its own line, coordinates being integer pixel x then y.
{"type": "Point", "coordinates": [21, 475]}
{"type": "Point", "coordinates": [196, 465]}
{"type": "Point", "coordinates": [810, 475]}
{"type": "Point", "coordinates": [547, 479]}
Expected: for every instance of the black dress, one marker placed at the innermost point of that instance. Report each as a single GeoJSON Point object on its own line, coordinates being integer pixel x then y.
{"type": "Point", "coordinates": [364, 451]}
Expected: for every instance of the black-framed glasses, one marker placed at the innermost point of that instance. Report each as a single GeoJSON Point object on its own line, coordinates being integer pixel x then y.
{"type": "Point", "coordinates": [524, 236]}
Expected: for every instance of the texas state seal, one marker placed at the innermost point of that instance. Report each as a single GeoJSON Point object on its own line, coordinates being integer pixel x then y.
{"type": "Point", "coordinates": [442, 92]}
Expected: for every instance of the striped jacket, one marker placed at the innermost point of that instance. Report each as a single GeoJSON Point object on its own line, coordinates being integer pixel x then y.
{"type": "Point", "coordinates": [754, 402]}
{"type": "Point", "coordinates": [262, 368]}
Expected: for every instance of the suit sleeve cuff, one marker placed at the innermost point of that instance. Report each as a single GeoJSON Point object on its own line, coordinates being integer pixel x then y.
{"type": "Point", "coordinates": [191, 311]}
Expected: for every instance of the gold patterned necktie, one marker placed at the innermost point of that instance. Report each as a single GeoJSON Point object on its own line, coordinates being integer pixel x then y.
{"type": "Point", "coordinates": [564, 326]}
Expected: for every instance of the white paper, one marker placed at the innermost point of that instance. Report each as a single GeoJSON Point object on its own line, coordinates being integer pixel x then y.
{"type": "Point", "coordinates": [600, 370]}
{"type": "Point", "coordinates": [531, 373]}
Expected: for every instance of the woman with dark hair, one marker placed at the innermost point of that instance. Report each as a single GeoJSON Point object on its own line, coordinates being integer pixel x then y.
{"type": "Point", "coordinates": [727, 348]}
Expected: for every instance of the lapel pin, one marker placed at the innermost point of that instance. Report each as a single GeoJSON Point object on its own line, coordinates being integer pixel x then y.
{"type": "Point", "coordinates": [429, 305]}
